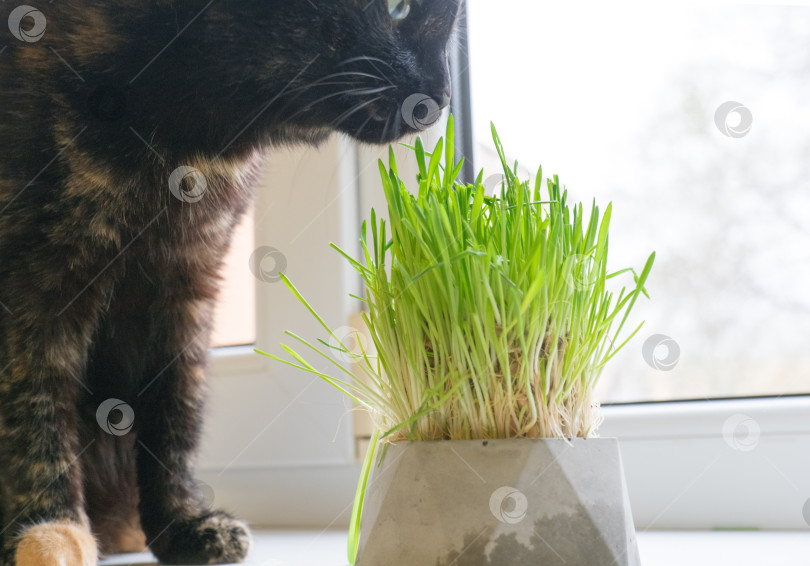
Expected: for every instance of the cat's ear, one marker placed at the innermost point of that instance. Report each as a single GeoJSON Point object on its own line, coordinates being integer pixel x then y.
{"type": "Point", "coordinates": [432, 20]}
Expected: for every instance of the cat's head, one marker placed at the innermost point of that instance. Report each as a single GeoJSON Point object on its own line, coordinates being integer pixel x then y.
{"type": "Point", "coordinates": [210, 76]}
{"type": "Point", "coordinates": [373, 69]}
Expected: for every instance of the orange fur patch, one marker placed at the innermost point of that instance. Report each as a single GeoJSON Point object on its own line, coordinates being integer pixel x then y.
{"type": "Point", "coordinates": [57, 544]}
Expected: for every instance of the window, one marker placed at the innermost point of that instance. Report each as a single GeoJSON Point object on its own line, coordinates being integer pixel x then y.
{"type": "Point", "coordinates": [273, 433]}
{"type": "Point", "coordinates": [689, 118]}
{"type": "Point", "coordinates": [235, 314]}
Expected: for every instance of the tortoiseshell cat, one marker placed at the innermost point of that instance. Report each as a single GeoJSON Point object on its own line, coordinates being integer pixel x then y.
{"type": "Point", "coordinates": [130, 137]}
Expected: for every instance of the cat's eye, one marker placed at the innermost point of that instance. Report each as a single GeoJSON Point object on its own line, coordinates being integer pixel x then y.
{"type": "Point", "coordinates": [399, 9]}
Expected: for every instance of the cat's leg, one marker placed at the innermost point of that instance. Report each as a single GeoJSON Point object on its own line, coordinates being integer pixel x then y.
{"type": "Point", "coordinates": [45, 339]}
{"type": "Point", "coordinates": [56, 544]}
{"type": "Point", "coordinates": [179, 527]}
{"type": "Point", "coordinates": [111, 491]}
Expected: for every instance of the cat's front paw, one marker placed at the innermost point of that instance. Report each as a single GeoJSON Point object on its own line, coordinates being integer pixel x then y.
{"type": "Point", "coordinates": [214, 538]}
{"type": "Point", "coordinates": [56, 544]}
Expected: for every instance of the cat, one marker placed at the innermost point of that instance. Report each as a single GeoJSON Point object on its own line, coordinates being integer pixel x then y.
{"type": "Point", "coordinates": [131, 136]}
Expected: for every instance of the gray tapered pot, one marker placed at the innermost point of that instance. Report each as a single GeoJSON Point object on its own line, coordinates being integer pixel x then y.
{"type": "Point", "coordinates": [515, 502]}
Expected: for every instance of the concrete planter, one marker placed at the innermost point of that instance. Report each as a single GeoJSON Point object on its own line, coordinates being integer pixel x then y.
{"type": "Point", "coordinates": [509, 502]}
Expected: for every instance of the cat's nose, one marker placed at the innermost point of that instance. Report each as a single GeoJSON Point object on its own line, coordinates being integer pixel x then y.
{"type": "Point", "coordinates": [440, 93]}
{"type": "Point", "coordinates": [444, 98]}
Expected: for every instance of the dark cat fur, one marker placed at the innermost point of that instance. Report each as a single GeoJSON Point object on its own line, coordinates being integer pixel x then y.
{"type": "Point", "coordinates": [107, 280]}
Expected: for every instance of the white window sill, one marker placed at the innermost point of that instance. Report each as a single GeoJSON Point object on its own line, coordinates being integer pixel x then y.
{"type": "Point", "coordinates": [657, 548]}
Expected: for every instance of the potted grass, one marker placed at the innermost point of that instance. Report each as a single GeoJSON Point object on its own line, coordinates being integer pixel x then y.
{"type": "Point", "coordinates": [491, 321]}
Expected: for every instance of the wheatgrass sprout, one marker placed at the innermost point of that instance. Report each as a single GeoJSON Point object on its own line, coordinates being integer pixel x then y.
{"type": "Point", "coordinates": [490, 315]}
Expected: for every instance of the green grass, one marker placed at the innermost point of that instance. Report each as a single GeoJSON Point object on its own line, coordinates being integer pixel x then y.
{"type": "Point", "coordinates": [490, 315]}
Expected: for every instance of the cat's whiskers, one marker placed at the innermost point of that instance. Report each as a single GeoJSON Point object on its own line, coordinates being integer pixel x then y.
{"type": "Point", "coordinates": [309, 106]}
{"type": "Point", "coordinates": [327, 80]}
{"type": "Point", "coordinates": [362, 126]}
{"type": "Point", "coordinates": [385, 128]}
{"type": "Point", "coordinates": [382, 73]}
{"type": "Point", "coordinates": [360, 92]}
{"type": "Point", "coordinates": [321, 81]}
{"type": "Point", "coordinates": [346, 115]}
{"type": "Point", "coordinates": [366, 58]}
{"type": "Point", "coordinates": [347, 74]}
{"type": "Point", "coordinates": [371, 61]}
{"type": "Point", "coordinates": [330, 83]}
{"type": "Point", "coordinates": [351, 92]}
